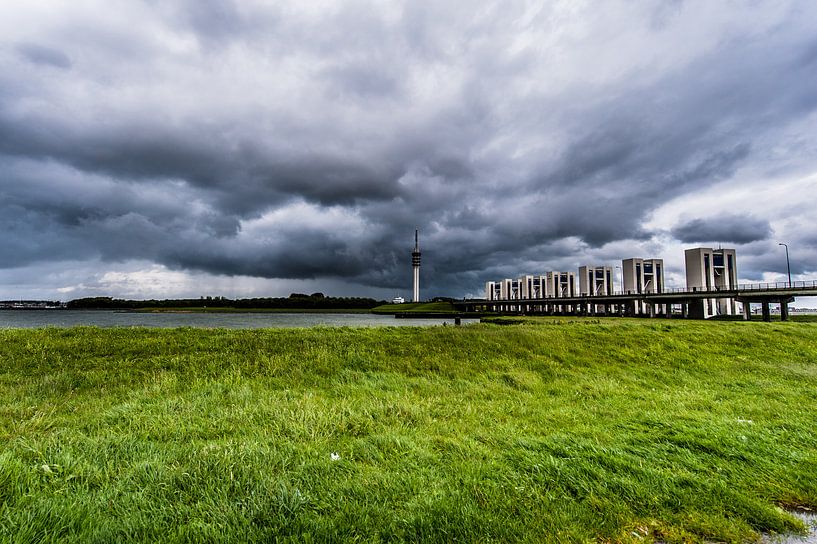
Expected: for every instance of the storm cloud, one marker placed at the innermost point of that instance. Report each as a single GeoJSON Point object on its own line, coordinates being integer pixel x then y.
{"type": "Point", "coordinates": [734, 229]}
{"type": "Point", "coordinates": [40, 54]}
{"type": "Point", "coordinates": [226, 139]}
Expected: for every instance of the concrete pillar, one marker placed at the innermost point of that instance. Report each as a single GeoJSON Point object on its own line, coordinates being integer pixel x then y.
{"type": "Point", "coordinates": [747, 311]}
{"type": "Point", "coordinates": [784, 309]}
{"type": "Point", "coordinates": [696, 309]}
{"type": "Point", "coordinates": [767, 315]}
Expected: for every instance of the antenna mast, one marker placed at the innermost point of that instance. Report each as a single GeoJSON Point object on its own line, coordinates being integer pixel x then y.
{"type": "Point", "coordinates": [415, 263]}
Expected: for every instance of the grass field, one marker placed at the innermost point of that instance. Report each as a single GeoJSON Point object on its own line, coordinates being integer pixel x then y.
{"type": "Point", "coordinates": [558, 430]}
{"type": "Point", "coordinates": [416, 308]}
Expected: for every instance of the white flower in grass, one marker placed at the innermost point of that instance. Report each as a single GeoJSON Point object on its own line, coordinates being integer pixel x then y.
{"type": "Point", "coordinates": [334, 456]}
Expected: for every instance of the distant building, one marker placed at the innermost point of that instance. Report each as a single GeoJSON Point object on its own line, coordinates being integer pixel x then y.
{"type": "Point", "coordinates": [507, 289]}
{"type": "Point", "coordinates": [595, 280]}
{"type": "Point", "coordinates": [511, 289]}
{"type": "Point", "coordinates": [533, 287]}
{"type": "Point", "coordinates": [560, 284]}
{"type": "Point", "coordinates": [707, 270]}
{"type": "Point", "coordinates": [710, 269]}
{"type": "Point", "coordinates": [643, 276]}
{"type": "Point", "coordinates": [493, 290]}
{"type": "Point", "coordinates": [398, 300]}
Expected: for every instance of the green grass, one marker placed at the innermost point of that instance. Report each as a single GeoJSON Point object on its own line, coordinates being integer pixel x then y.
{"type": "Point", "coordinates": [799, 318]}
{"type": "Point", "coordinates": [416, 308]}
{"type": "Point", "coordinates": [560, 430]}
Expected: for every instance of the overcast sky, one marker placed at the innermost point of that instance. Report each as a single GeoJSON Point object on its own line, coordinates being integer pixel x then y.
{"type": "Point", "coordinates": [155, 148]}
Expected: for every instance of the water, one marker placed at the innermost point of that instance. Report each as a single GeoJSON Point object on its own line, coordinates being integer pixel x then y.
{"type": "Point", "coordinates": [28, 319]}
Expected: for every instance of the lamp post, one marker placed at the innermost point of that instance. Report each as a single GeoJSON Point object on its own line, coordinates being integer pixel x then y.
{"type": "Point", "coordinates": [788, 266]}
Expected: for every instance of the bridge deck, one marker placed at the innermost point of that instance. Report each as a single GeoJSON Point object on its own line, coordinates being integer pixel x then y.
{"type": "Point", "coordinates": [763, 293]}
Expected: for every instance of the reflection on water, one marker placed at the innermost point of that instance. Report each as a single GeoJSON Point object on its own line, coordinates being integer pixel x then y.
{"type": "Point", "coordinates": [71, 318]}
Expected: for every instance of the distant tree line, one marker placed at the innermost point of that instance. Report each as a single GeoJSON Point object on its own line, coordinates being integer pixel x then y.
{"type": "Point", "coordinates": [316, 301]}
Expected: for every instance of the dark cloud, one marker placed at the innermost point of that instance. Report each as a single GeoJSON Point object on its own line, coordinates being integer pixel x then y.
{"type": "Point", "coordinates": [727, 228]}
{"type": "Point", "coordinates": [217, 23]}
{"type": "Point", "coordinates": [234, 139]}
{"type": "Point", "coordinates": [215, 19]}
{"type": "Point", "coordinates": [765, 261]}
{"type": "Point", "coordinates": [39, 54]}
{"type": "Point", "coordinates": [362, 80]}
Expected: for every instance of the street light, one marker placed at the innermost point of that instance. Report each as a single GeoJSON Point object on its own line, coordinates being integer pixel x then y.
{"type": "Point", "coordinates": [788, 266]}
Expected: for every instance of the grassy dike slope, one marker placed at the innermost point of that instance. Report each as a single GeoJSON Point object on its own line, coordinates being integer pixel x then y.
{"type": "Point", "coordinates": [568, 431]}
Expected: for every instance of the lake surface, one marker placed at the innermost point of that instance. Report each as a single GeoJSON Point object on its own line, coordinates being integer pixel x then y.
{"type": "Point", "coordinates": [28, 319]}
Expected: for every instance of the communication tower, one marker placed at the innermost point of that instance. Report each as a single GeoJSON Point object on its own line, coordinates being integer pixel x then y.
{"type": "Point", "coordinates": [415, 262]}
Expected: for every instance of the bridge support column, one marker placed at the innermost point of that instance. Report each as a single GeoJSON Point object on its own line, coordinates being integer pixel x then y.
{"type": "Point", "coordinates": [696, 309]}
{"type": "Point", "coordinates": [747, 311]}
{"type": "Point", "coordinates": [784, 309]}
{"type": "Point", "coordinates": [767, 315]}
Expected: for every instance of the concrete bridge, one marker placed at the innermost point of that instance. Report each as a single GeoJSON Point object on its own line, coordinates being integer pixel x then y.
{"type": "Point", "coordinates": [690, 303]}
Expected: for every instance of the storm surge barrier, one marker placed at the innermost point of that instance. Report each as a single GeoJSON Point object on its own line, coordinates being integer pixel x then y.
{"type": "Point", "coordinates": [687, 303]}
